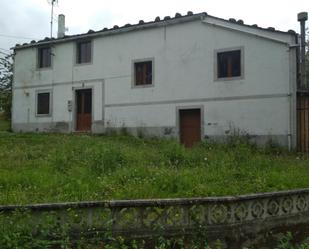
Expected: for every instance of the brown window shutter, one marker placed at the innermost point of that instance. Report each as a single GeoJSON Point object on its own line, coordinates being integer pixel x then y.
{"type": "Point", "coordinates": [229, 67]}
{"type": "Point", "coordinates": [143, 73]}
{"type": "Point", "coordinates": [84, 52]}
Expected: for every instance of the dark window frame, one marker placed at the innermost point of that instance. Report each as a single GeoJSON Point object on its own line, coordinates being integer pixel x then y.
{"type": "Point", "coordinates": [40, 112]}
{"type": "Point", "coordinates": [43, 62]}
{"type": "Point", "coordinates": [225, 51]}
{"type": "Point", "coordinates": [143, 78]}
{"type": "Point", "coordinates": [84, 57]}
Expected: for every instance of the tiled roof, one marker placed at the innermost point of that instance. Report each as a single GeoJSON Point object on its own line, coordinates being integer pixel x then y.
{"type": "Point", "coordinates": [141, 24]}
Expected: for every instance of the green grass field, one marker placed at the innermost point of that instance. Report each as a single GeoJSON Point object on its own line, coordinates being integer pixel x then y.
{"type": "Point", "coordinates": [37, 168]}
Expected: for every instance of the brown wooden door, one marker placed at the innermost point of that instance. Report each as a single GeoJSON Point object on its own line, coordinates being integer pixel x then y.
{"type": "Point", "coordinates": [190, 126]}
{"type": "Point", "coordinates": [83, 110]}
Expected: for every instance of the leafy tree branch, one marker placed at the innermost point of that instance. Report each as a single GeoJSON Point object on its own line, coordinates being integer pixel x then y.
{"type": "Point", "coordinates": [6, 79]}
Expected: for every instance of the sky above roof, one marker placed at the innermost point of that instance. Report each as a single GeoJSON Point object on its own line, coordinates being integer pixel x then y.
{"type": "Point", "coordinates": [25, 20]}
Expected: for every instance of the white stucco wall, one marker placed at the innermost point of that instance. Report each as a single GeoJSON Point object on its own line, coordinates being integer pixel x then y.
{"type": "Point", "coordinates": [184, 60]}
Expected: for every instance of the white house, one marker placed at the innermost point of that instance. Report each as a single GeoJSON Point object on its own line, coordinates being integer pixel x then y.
{"type": "Point", "coordinates": [191, 77]}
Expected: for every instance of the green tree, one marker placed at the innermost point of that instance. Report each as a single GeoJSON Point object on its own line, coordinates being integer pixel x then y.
{"type": "Point", "coordinates": [6, 79]}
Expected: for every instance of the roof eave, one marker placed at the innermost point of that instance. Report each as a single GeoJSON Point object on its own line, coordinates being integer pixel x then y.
{"type": "Point", "coordinates": [115, 31]}
{"type": "Point", "coordinates": [148, 25]}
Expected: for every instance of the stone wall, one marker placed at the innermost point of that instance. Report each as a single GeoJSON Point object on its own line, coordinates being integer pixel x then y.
{"type": "Point", "coordinates": [250, 220]}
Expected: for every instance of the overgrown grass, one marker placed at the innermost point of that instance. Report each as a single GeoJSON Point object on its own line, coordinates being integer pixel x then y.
{"type": "Point", "coordinates": [36, 168]}
{"type": "Point", "coordinates": [4, 123]}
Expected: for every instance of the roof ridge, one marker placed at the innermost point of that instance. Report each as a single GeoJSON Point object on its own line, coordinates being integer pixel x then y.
{"type": "Point", "coordinates": [142, 23]}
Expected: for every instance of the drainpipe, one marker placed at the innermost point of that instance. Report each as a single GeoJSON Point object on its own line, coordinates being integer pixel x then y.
{"type": "Point", "coordinates": [302, 18]}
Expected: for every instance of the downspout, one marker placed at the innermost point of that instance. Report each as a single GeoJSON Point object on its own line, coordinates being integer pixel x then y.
{"type": "Point", "coordinates": [300, 66]}
{"type": "Point", "coordinates": [293, 86]}
{"type": "Point", "coordinates": [302, 18]}
{"type": "Point", "coordinates": [297, 62]}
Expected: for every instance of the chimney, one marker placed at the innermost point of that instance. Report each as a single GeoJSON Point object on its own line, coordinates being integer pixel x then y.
{"type": "Point", "coordinates": [61, 26]}
{"type": "Point", "coordinates": [302, 18]}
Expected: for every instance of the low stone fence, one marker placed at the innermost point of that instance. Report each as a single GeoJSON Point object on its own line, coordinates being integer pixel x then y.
{"type": "Point", "coordinates": [237, 221]}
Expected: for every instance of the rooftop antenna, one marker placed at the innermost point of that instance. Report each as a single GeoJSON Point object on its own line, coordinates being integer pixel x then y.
{"type": "Point", "coordinates": [52, 2]}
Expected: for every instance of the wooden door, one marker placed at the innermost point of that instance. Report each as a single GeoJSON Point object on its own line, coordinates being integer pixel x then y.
{"type": "Point", "coordinates": [190, 126]}
{"type": "Point", "coordinates": [83, 110]}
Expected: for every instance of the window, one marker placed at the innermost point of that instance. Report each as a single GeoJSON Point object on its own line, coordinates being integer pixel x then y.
{"type": "Point", "coordinates": [44, 57]}
{"type": "Point", "coordinates": [83, 53]}
{"type": "Point", "coordinates": [43, 103]}
{"type": "Point", "coordinates": [229, 64]}
{"type": "Point", "coordinates": [143, 73]}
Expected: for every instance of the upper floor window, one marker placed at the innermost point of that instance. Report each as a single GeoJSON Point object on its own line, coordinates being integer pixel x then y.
{"type": "Point", "coordinates": [229, 64]}
{"type": "Point", "coordinates": [44, 57]}
{"type": "Point", "coordinates": [43, 102]}
{"type": "Point", "coordinates": [83, 52]}
{"type": "Point", "coordinates": [143, 73]}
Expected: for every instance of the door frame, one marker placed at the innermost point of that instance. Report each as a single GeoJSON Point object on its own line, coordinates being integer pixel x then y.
{"type": "Point", "coordinates": [74, 110]}
{"type": "Point", "coordinates": [180, 108]}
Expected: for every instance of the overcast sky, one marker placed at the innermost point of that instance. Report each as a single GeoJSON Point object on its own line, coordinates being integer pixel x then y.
{"type": "Point", "coordinates": [31, 18]}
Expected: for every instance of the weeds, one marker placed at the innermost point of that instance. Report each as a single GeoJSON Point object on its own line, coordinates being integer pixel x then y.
{"type": "Point", "coordinates": [106, 160]}
{"type": "Point", "coordinates": [19, 230]}
{"type": "Point", "coordinates": [58, 168]}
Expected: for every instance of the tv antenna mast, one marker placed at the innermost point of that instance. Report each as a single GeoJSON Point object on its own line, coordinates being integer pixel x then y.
{"type": "Point", "coordinates": [52, 2]}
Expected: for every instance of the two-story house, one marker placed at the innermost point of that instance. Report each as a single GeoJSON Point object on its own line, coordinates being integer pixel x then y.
{"type": "Point", "coordinates": [190, 77]}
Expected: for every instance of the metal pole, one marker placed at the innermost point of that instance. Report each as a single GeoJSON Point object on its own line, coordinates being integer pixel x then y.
{"type": "Point", "coordinates": [302, 18]}
{"type": "Point", "coordinates": [51, 19]}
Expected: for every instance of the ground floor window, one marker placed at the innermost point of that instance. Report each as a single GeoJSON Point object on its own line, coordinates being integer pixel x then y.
{"type": "Point", "coordinates": [43, 103]}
